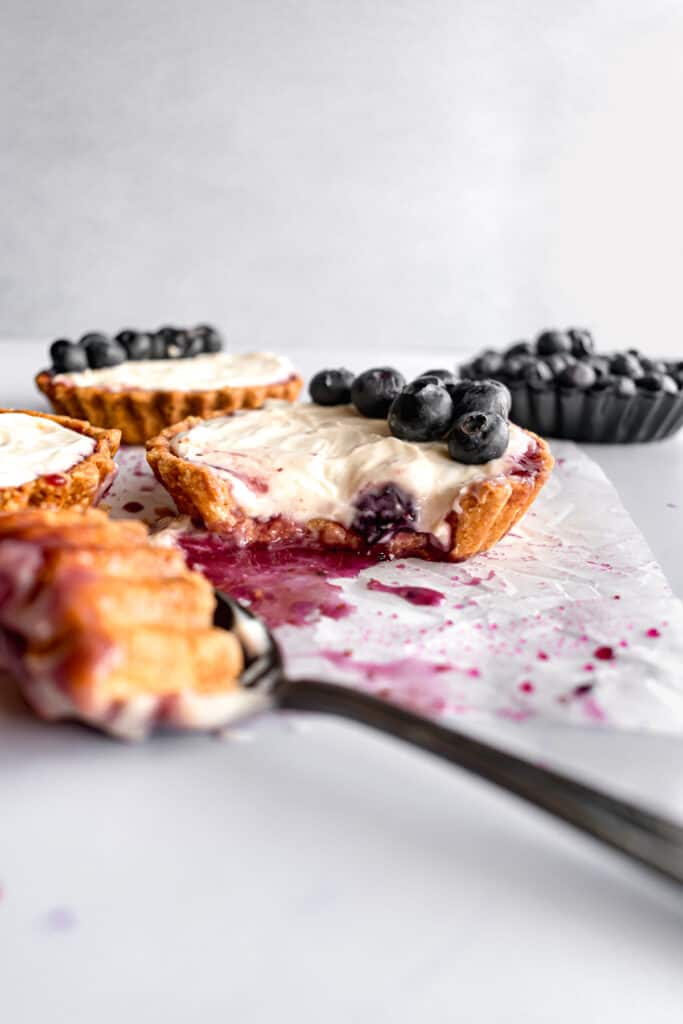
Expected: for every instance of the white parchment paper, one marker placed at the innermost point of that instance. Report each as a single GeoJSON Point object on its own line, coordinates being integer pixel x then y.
{"type": "Point", "coordinates": [569, 619]}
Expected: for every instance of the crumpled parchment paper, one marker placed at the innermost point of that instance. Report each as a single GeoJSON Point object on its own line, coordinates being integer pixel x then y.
{"type": "Point", "coordinates": [569, 619]}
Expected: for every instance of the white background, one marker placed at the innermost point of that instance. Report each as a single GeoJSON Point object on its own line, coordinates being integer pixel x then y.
{"type": "Point", "coordinates": [320, 172]}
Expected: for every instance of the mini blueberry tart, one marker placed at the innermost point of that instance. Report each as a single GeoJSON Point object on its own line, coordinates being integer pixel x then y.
{"type": "Point", "coordinates": [141, 383]}
{"type": "Point", "coordinates": [562, 387]}
{"type": "Point", "coordinates": [53, 461]}
{"type": "Point", "coordinates": [431, 469]}
{"type": "Point", "coordinates": [97, 624]}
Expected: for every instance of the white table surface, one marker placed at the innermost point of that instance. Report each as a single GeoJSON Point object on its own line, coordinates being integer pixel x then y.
{"type": "Point", "coordinates": [312, 871]}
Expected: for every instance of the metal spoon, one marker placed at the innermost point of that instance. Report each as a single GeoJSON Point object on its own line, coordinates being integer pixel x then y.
{"type": "Point", "coordinates": [640, 834]}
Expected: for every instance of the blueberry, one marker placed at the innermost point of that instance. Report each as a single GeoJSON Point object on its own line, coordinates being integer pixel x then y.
{"type": "Point", "coordinates": [383, 511]}
{"type": "Point", "coordinates": [174, 341]}
{"type": "Point", "coordinates": [105, 352]}
{"type": "Point", "coordinates": [624, 387]}
{"type": "Point", "coordinates": [549, 343]}
{"type": "Point", "coordinates": [656, 382]}
{"type": "Point", "coordinates": [601, 366]}
{"type": "Point", "coordinates": [558, 362]}
{"type": "Point", "coordinates": [478, 437]}
{"type": "Point", "coordinates": [583, 345]}
{"type": "Point", "coordinates": [488, 364]}
{"type": "Point", "coordinates": [136, 344]}
{"type": "Point", "coordinates": [331, 387]}
{"type": "Point", "coordinates": [515, 367]}
{"type": "Point", "coordinates": [520, 348]}
{"type": "Point", "coordinates": [91, 337]}
{"type": "Point", "coordinates": [374, 390]}
{"type": "Point", "coordinates": [606, 383]}
{"type": "Point", "coordinates": [67, 357]}
{"type": "Point", "coordinates": [211, 340]}
{"type": "Point", "coordinates": [626, 364]}
{"type": "Point", "coordinates": [653, 365]}
{"type": "Point", "coordinates": [538, 375]}
{"type": "Point", "coordinates": [447, 376]}
{"type": "Point", "coordinates": [157, 346]}
{"type": "Point", "coordinates": [480, 396]}
{"type": "Point", "coordinates": [578, 375]}
{"type": "Point", "coordinates": [423, 411]}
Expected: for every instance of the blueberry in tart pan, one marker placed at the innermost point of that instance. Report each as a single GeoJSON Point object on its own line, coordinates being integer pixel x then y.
{"type": "Point", "coordinates": [561, 387]}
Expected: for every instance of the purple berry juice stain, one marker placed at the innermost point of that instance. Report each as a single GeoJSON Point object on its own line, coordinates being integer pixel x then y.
{"type": "Point", "coordinates": [133, 506]}
{"type": "Point", "coordinates": [653, 632]}
{"type": "Point", "coordinates": [604, 653]}
{"type": "Point", "coordinates": [423, 596]}
{"type": "Point", "coordinates": [410, 682]}
{"type": "Point", "coordinates": [284, 585]}
{"type": "Point", "coordinates": [60, 919]}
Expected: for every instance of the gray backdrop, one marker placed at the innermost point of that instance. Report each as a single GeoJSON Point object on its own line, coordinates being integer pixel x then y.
{"type": "Point", "coordinates": [444, 174]}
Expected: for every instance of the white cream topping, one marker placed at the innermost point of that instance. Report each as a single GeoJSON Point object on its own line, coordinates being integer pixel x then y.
{"type": "Point", "coordinates": [31, 446]}
{"type": "Point", "coordinates": [308, 461]}
{"type": "Point", "coordinates": [199, 373]}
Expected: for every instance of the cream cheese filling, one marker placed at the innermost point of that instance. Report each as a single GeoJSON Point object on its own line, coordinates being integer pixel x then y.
{"type": "Point", "coordinates": [199, 373]}
{"type": "Point", "coordinates": [309, 461]}
{"type": "Point", "coordinates": [31, 446]}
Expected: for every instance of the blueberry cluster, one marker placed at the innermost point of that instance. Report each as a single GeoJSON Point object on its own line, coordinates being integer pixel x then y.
{"type": "Point", "coordinates": [567, 360]}
{"type": "Point", "coordinates": [96, 351]}
{"type": "Point", "coordinates": [471, 416]}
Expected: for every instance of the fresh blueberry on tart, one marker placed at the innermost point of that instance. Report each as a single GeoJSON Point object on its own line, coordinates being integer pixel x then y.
{"type": "Point", "coordinates": [331, 387]}
{"type": "Point", "coordinates": [137, 344]}
{"type": "Point", "coordinates": [143, 381]}
{"type": "Point", "coordinates": [422, 411]}
{"type": "Point", "coordinates": [478, 437]}
{"type": "Point", "coordinates": [373, 391]}
{"type": "Point", "coordinates": [68, 357]}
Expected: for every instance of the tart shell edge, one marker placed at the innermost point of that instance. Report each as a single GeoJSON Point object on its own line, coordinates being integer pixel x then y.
{"type": "Point", "coordinates": [484, 512]}
{"type": "Point", "coordinates": [78, 487]}
{"type": "Point", "coordinates": [141, 413]}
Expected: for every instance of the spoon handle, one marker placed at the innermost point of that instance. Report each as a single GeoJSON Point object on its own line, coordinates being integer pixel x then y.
{"type": "Point", "coordinates": [646, 837]}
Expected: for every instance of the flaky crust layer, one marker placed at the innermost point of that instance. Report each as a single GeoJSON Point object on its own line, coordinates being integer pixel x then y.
{"type": "Point", "coordinates": [484, 513]}
{"type": "Point", "coordinates": [99, 624]}
{"type": "Point", "coordinates": [78, 487]}
{"type": "Point", "coordinates": [140, 413]}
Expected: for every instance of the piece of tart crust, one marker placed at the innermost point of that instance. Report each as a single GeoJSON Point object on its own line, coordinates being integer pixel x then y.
{"type": "Point", "coordinates": [140, 413]}
{"type": "Point", "coordinates": [98, 624]}
{"type": "Point", "coordinates": [78, 487]}
{"type": "Point", "coordinates": [484, 512]}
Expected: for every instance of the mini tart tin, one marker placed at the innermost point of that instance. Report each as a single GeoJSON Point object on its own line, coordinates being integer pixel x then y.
{"type": "Point", "coordinates": [593, 415]}
{"type": "Point", "coordinates": [141, 413]}
{"type": "Point", "coordinates": [485, 512]}
{"type": "Point", "coordinates": [78, 487]}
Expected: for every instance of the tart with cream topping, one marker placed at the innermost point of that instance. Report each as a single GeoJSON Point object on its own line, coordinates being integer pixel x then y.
{"type": "Point", "coordinates": [329, 475]}
{"type": "Point", "coordinates": [157, 380]}
{"type": "Point", "coordinates": [98, 624]}
{"type": "Point", "coordinates": [53, 461]}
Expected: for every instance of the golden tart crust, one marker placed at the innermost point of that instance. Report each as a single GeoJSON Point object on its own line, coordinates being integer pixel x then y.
{"type": "Point", "coordinates": [140, 413]}
{"type": "Point", "coordinates": [484, 513]}
{"type": "Point", "coordinates": [98, 624]}
{"type": "Point", "coordinates": [78, 487]}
